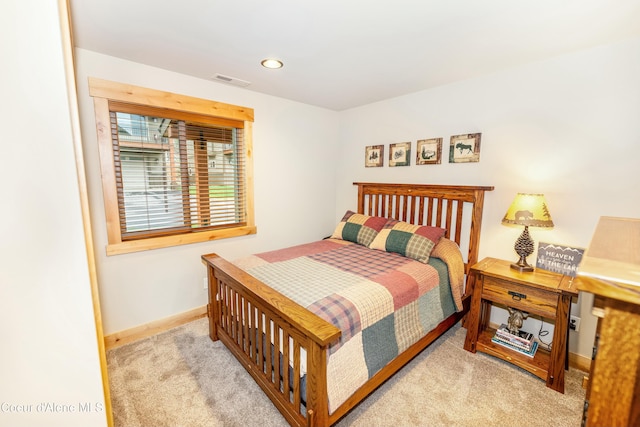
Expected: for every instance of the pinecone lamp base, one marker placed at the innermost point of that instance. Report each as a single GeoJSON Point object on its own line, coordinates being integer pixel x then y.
{"type": "Point", "coordinates": [524, 248]}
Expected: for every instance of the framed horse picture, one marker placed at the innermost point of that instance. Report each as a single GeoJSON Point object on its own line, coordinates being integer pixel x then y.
{"type": "Point", "coordinates": [465, 148]}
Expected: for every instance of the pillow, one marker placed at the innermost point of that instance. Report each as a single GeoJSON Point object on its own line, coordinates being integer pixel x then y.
{"type": "Point", "coordinates": [358, 228]}
{"type": "Point", "coordinates": [412, 241]}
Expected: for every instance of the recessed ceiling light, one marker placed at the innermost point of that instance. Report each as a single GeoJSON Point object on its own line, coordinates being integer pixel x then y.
{"type": "Point", "coordinates": [271, 63]}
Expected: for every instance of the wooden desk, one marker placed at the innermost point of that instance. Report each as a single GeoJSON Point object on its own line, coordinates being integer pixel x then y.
{"type": "Point", "coordinates": [613, 393]}
{"type": "Point", "coordinates": [610, 270]}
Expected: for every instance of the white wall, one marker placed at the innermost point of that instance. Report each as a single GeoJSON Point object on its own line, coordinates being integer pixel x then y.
{"type": "Point", "coordinates": [294, 164]}
{"type": "Point", "coordinates": [49, 343]}
{"type": "Point", "coordinates": [566, 127]}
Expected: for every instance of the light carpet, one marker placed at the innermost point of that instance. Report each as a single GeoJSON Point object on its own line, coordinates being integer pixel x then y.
{"type": "Point", "coordinates": [182, 378]}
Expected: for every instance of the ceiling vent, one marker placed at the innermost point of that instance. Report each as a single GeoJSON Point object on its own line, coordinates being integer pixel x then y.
{"type": "Point", "coordinates": [230, 80]}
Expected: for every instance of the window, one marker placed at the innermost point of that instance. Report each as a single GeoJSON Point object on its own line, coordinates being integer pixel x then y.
{"type": "Point", "coordinates": [171, 176]}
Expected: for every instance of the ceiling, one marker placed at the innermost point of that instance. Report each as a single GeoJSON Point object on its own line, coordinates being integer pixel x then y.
{"type": "Point", "coordinates": [340, 54]}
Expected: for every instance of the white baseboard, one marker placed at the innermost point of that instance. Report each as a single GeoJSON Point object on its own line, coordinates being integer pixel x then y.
{"type": "Point", "coordinates": [143, 331]}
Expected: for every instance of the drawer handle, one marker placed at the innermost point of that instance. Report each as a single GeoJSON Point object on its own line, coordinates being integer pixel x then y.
{"type": "Point", "coordinates": [517, 296]}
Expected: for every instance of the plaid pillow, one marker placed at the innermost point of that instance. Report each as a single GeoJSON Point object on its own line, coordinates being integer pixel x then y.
{"type": "Point", "coordinates": [412, 241]}
{"type": "Point", "coordinates": [358, 228]}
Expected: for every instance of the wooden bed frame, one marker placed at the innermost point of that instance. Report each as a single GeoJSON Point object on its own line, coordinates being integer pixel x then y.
{"type": "Point", "coordinates": [240, 305]}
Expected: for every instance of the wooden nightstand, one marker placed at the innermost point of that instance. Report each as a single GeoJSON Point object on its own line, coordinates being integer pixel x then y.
{"type": "Point", "coordinates": [540, 293]}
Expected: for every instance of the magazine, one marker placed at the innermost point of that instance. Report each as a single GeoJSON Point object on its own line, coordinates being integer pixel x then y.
{"type": "Point", "coordinates": [524, 347]}
{"type": "Point", "coordinates": [522, 336]}
{"type": "Point", "coordinates": [529, 353]}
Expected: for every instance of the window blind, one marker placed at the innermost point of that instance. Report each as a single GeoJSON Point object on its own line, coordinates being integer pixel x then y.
{"type": "Point", "coordinates": [177, 172]}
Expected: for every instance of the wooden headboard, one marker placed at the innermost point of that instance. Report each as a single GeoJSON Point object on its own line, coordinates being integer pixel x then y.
{"type": "Point", "coordinates": [458, 209]}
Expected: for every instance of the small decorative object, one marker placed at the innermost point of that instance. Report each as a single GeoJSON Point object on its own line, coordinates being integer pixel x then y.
{"type": "Point", "coordinates": [465, 148]}
{"type": "Point", "coordinates": [516, 318]}
{"type": "Point", "coordinates": [527, 210]}
{"type": "Point", "coordinates": [559, 259]}
{"type": "Point", "coordinates": [429, 151]}
{"type": "Point", "coordinates": [374, 156]}
{"type": "Point", "coordinates": [400, 154]}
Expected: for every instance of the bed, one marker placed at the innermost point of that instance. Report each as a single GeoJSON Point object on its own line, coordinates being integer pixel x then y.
{"type": "Point", "coordinates": [315, 324]}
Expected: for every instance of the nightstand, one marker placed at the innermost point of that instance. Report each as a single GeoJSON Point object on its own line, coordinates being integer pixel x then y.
{"type": "Point", "coordinates": [540, 293]}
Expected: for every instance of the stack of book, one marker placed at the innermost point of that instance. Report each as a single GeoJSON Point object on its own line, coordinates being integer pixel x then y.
{"type": "Point", "coordinates": [522, 342]}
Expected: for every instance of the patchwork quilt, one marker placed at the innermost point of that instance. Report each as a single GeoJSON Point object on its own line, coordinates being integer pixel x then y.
{"type": "Point", "coordinates": [382, 302]}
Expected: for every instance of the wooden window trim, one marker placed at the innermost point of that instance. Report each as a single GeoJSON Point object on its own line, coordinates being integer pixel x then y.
{"type": "Point", "coordinates": [103, 92]}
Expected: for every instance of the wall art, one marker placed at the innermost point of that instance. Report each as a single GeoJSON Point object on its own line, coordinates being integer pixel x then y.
{"type": "Point", "coordinates": [429, 151]}
{"type": "Point", "coordinates": [559, 259]}
{"type": "Point", "coordinates": [374, 156]}
{"type": "Point", "coordinates": [465, 148]}
{"type": "Point", "coordinates": [400, 154]}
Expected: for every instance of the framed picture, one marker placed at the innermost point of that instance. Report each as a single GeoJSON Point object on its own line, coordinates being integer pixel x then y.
{"type": "Point", "coordinates": [400, 154]}
{"type": "Point", "coordinates": [429, 151]}
{"type": "Point", "coordinates": [465, 148]}
{"type": "Point", "coordinates": [374, 156]}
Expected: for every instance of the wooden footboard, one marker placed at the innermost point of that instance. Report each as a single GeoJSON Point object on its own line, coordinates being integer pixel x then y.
{"type": "Point", "coordinates": [248, 316]}
{"type": "Point", "coordinates": [268, 333]}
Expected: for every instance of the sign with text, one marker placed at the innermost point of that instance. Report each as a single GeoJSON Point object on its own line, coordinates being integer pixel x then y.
{"type": "Point", "coordinates": [559, 259]}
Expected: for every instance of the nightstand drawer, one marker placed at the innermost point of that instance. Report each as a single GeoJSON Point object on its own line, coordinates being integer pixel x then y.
{"type": "Point", "coordinates": [524, 298]}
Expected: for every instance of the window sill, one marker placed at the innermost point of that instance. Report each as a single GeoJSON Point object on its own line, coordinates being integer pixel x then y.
{"type": "Point", "coordinates": [183, 239]}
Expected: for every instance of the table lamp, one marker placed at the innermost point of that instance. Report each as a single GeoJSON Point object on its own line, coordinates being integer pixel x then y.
{"type": "Point", "coordinates": [528, 210]}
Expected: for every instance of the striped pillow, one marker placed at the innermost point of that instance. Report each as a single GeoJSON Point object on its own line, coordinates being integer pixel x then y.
{"type": "Point", "coordinates": [358, 228]}
{"type": "Point", "coordinates": [412, 241]}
